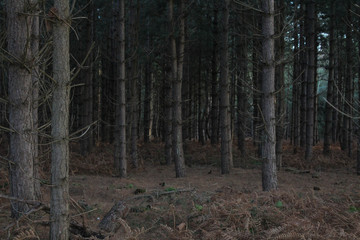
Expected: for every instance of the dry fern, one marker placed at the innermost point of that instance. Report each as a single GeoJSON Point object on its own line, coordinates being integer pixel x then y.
{"type": "Point", "coordinates": [27, 234]}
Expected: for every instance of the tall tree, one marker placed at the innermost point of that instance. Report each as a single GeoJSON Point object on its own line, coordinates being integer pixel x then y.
{"type": "Point", "coordinates": [59, 205]}
{"type": "Point", "coordinates": [133, 80]}
{"type": "Point", "coordinates": [214, 78]}
{"type": "Point", "coordinates": [226, 144]}
{"type": "Point", "coordinates": [120, 111]}
{"type": "Point", "coordinates": [269, 175]}
{"type": "Point", "coordinates": [23, 93]}
{"type": "Point", "coordinates": [177, 65]}
{"type": "Point", "coordinates": [310, 45]}
{"type": "Point", "coordinates": [329, 97]}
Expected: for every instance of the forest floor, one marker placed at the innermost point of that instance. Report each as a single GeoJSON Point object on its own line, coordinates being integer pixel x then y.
{"type": "Point", "coordinates": [318, 201]}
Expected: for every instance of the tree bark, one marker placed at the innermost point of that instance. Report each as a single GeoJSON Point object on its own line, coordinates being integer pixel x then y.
{"type": "Point", "coordinates": [214, 81]}
{"type": "Point", "coordinates": [23, 93]}
{"type": "Point", "coordinates": [269, 175]}
{"type": "Point", "coordinates": [310, 45]}
{"type": "Point", "coordinates": [120, 118]}
{"type": "Point", "coordinates": [226, 146]}
{"type": "Point", "coordinates": [59, 203]}
{"type": "Point", "coordinates": [177, 77]}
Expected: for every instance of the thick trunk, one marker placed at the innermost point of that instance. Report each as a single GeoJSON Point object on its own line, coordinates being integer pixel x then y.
{"type": "Point", "coordinates": [310, 44]}
{"type": "Point", "coordinates": [269, 175]}
{"type": "Point", "coordinates": [59, 205]}
{"type": "Point", "coordinates": [120, 119]}
{"type": "Point", "coordinates": [22, 88]}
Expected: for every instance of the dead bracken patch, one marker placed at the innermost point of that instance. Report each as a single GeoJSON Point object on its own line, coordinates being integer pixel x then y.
{"type": "Point", "coordinates": [317, 201]}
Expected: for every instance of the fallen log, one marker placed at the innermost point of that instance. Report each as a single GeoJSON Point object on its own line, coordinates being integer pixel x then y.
{"type": "Point", "coordinates": [110, 221]}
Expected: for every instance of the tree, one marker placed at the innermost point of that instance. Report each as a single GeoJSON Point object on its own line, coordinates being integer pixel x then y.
{"type": "Point", "coordinates": [59, 205]}
{"type": "Point", "coordinates": [23, 94]}
{"type": "Point", "coordinates": [329, 97]}
{"type": "Point", "coordinates": [310, 45]}
{"type": "Point", "coordinates": [269, 175]}
{"type": "Point", "coordinates": [120, 118]}
{"type": "Point", "coordinates": [177, 63]}
{"type": "Point", "coordinates": [226, 144]}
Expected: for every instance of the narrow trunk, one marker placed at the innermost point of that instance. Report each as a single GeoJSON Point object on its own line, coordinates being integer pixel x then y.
{"type": "Point", "coordinates": [329, 96]}
{"type": "Point", "coordinates": [226, 146]}
{"type": "Point", "coordinates": [59, 203]}
{"type": "Point", "coordinates": [214, 80]}
{"type": "Point", "coordinates": [304, 70]}
{"type": "Point", "coordinates": [310, 45]}
{"type": "Point", "coordinates": [120, 119]}
{"type": "Point", "coordinates": [177, 76]}
{"type": "Point", "coordinates": [280, 87]}
{"type": "Point", "coordinates": [269, 175]}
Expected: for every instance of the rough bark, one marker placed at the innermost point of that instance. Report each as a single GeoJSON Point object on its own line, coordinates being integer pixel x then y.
{"type": "Point", "coordinates": [120, 118]}
{"type": "Point", "coordinates": [22, 89]}
{"type": "Point", "coordinates": [110, 222]}
{"type": "Point", "coordinates": [59, 203]}
{"type": "Point", "coordinates": [304, 74]}
{"type": "Point", "coordinates": [310, 45]}
{"type": "Point", "coordinates": [269, 175]}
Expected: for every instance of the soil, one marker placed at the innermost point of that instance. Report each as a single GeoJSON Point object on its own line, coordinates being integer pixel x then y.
{"type": "Point", "coordinates": [319, 200]}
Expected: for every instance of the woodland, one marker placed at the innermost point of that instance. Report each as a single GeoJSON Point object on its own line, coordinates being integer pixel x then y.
{"type": "Point", "coordinates": [179, 119]}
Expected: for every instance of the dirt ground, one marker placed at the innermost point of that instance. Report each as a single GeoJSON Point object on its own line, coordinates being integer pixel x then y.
{"type": "Point", "coordinates": [316, 201]}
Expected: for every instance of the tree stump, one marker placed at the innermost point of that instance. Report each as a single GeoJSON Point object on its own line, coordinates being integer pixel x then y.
{"type": "Point", "coordinates": [110, 221]}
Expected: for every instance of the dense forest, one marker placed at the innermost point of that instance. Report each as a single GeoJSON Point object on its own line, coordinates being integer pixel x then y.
{"type": "Point", "coordinates": [259, 81]}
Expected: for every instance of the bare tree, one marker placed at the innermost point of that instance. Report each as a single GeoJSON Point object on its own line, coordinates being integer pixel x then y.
{"type": "Point", "coordinates": [269, 175]}
{"type": "Point", "coordinates": [226, 144]}
{"type": "Point", "coordinates": [177, 64]}
{"type": "Point", "coordinates": [120, 119]}
{"type": "Point", "coordinates": [310, 45]}
{"type": "Point", "coordinates": [59, 212]}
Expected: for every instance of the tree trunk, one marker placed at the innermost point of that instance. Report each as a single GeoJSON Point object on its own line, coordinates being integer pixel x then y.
{"type": "Point", "coordinates": [134, 12]}
{"type": "Point", "coordinates": [310, 44]}
{"type": "Point", "coordinates": [348, 105]}
{"type": "Point", "coordinates": [214, 81]}
{"type": "Point", "coordinates": [177, 77]}
{"type": "Point", "coordinates": [304, 70]}
{"type": "Point", "coordinates": [329, 97]}
{"type": "Point", "coordinates": [59, 203]}
{"type": "Point", "coordinates": [280, 86]}
{"type": "Point", "coordinates": [22, 88]}
{"type": "Point", "coordinates": [120, 119]}
{"type": "Point", "coordinates": [269, 175]}
{"type": "Point", "coordinates": [296, 85]}
{"type": "Point", "coordinates": [226, 146]}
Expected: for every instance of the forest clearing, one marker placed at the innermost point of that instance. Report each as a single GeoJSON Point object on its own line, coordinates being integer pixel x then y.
{"type": "Point", "coordinates": [318, 202]}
